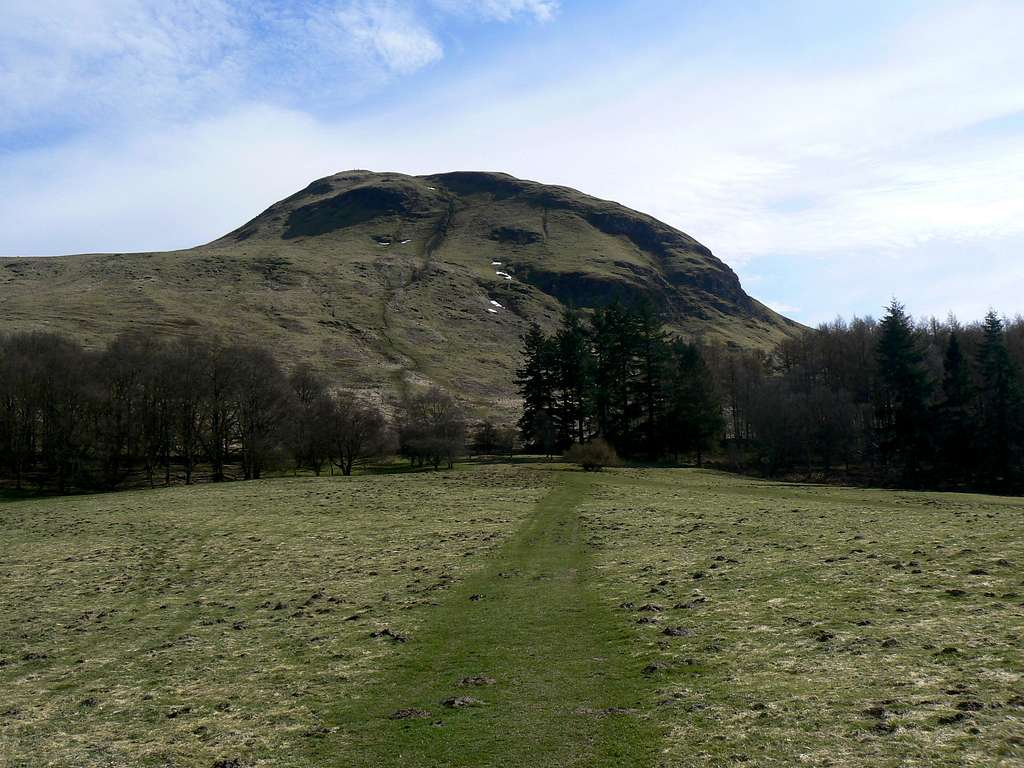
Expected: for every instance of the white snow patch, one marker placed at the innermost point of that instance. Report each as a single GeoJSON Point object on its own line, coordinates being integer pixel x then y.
{"type": "Point", "coordinates": [506, 275]}
{"type": "Point", "coordinates": [432, 189]}
{"type": "Point", "coordinates": [406, 242]}
{"type": "Point", "coordinates": [495, 263]}
{"type": "Point", "coordinates": [496, 304]}
{"type": "Point", "coordinates": [492, 311]}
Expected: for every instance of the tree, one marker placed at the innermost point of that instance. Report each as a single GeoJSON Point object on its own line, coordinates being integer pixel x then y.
{"type": "Point", "coordinates": [358, 433]}
{"type": "Point", "coordinates": [64, 408]}
{"type": "Point", "coordinates": [781, 426]}
{"type": "Point", "coordinates": [615, 340]}
{"type": "Point", "coordinates": [654, 382]}
{"type": "Point", "coordinates": [258, 398]}
{"type": "Point", "coordinates": [574, 382]}
{"type": "Point", "coordinates": [999, 404]}
{"type": "Point", "coordinates": [901, 405]}
{"type": "Point", "coordinates": [312, 414]}
{"type": "Point", "coordinates": [955, 412]}
{"type": "Point", "coordinates": [20, 405]}
{"type": "Point", "coordinates": [187, 382]}
{"type": "Point", "coordinates": [431, 428]}
{"type": "Point", "coordinates": [694, 417]}
{"type": "Point", "coordinates": [536, 384]}
{"type": "Point", "coordinates": [505, 441]}
{"type": "Point", "coordinates": [219, 403]}
{"type": "Point", "coordinates": [485, 438]}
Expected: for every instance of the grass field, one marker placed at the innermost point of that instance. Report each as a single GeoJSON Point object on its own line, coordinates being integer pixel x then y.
{"type": "Point", "coordinates": [521, 615]}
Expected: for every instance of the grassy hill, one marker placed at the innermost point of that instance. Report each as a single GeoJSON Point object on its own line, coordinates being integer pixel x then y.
{"type": "Point", "coordinates": [383, 279]}
{"type": "Point", "coordinates": [637, 617]}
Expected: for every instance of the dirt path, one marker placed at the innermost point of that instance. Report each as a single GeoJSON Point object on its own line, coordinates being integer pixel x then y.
{"type": "Point", "coordinates": [565, 690]}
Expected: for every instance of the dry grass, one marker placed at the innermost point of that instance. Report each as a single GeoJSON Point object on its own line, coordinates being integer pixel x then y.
{"type": "Point", "coordinates": [822, 626]}
{"type": "Point", "coordinates": [808, 625]}
{"type": "Point", "coordinates": [183, 626]}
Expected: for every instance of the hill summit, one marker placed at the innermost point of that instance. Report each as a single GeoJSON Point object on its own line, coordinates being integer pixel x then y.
{"type": "Point", "coordinates": [383, 280]}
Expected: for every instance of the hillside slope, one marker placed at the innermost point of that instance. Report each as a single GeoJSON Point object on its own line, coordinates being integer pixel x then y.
{"type": "Point", "coordinates": [383, 279]}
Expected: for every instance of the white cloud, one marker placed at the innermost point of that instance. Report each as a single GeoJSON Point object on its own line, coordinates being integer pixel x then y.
{"type": "Point", "coordinates": [79, 62]}
{"type": "Point", "coordinates": [866, 177]}
{"type": "Point", "coordinates": [502, 10]}
{"type": "Point", "coordinates": [82, 58]}
{"type": "Point", "coordinates": [383, 34]}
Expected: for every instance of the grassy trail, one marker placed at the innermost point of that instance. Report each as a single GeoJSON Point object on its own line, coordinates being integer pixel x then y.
{"type": "Point", "coordinates": [563, 679]}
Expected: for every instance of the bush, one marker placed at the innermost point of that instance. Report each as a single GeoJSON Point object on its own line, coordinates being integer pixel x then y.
{"type": "Point", "coordinates": [593, 456]}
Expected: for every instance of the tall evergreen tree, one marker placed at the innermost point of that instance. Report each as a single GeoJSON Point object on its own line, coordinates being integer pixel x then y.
{"type": "Point", "coordinates": [955, 423]}
{"type": "Point", "coordinates": [999, 404]}
{"type": "Point", "coordinates": [615, 349]}
{"type": "Point", "coordinates": [901, 397]}
{"type": "Point", "coordinates": [694, 416]}
{"type": "Point", "coordinates": [536, 383]}
{"type": "Point", "coordinates": [655, 379]}
{"type": "Point", "coordinates": [574, 366]}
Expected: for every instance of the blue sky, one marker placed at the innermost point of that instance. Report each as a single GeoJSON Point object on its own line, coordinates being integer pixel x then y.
{"type": "Point", "coordinates": [835, 154]}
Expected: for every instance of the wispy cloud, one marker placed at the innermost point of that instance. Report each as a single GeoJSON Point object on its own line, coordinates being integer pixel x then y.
{"type": "Point", "coordinates": [894, 168]}
{"type": "Point", "coordinates": [75, 62]}
{"type": "Point", "coordinates": [502, 10]}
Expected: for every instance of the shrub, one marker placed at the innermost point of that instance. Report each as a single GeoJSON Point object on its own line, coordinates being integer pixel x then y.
{"type": "Point", "coordinates": [593, 456]}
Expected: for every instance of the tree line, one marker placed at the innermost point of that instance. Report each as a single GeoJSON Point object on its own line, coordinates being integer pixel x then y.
{"type": "Point", "coordinates": [619, 377]}
{"type": "Point", "coordinates": [895, 402]}
{"type": "Point", "coordinates": [143, 409]}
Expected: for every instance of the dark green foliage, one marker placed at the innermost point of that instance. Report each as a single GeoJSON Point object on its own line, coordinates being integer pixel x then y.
{"type": "Point", "coordinates": [999, 405]}
{"type": "Point", "coordinates": [621, 379]}
{"type": "Point", "coordinates": [901, 395]}
{"type": "Point", "coordinates": [574, 380]}
{"type": "Point", "coordinates": [694, 413]}
{"type": "Point", "coordinates": [536, 382]}
{"type": "Point", "coordinates": [955, 414]}
{"type": "Point", "coordinates": [893, 402]}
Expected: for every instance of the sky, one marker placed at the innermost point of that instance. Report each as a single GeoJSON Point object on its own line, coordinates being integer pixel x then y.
{"type": "Point", "coordinates": [835, 154]}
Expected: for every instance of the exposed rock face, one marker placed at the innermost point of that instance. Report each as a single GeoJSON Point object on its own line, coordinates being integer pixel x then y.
{"type": "Point", "coordinates": [383, 279]}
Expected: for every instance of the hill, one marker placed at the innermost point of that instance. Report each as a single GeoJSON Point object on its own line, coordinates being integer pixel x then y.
{"type": "Point", "coordinates": [383, 279]}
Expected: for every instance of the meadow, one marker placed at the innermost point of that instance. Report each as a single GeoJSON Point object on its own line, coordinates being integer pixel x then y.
{"type": "Point", "coordinates": [507, 615]}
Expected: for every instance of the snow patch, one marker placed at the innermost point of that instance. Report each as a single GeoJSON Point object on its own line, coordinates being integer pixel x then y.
{"type": "Point", "coordinates": [496, 304]}
{"type": "Point", "coordinates": [506, 275]}
{"type": "Point", "coordinates": [405, 242]}
{"type": "Point", "coordinates": [492, 311]}
{"type": "Point", "coordinates": [495, 263]}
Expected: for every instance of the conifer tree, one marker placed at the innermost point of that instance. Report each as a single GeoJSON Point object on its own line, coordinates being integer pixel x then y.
{"type": "Point", "coordinates": [694, 416]}
{"type": "Point", "coordinates": [574, 367]}
{"type": "Point", "coordinates": [954, 413]}
{"type": "Point", "coordinates": [615, 349]}
{"type": "Point", "coordinates": [654, 386]}
{"type": "Point", "coordinates": [536, 383]}
{"type": "Point", "coordinates": [999, 403]}
{"type": "Point", "coordinates": [901, 395]}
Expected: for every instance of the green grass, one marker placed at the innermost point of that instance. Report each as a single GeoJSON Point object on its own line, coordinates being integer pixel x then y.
{"type": "Point", "coordinates": [531, 623]}
{"type": "Point", "coordinates": [826, 626]}
{"type": "Point", "coordinates": [818, 626]}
